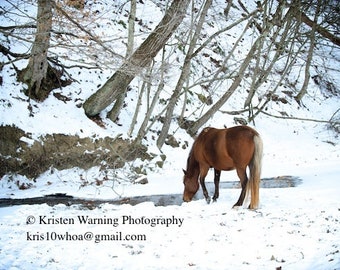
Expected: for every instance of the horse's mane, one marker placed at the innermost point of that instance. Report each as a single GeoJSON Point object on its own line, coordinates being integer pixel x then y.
{"type": "Point", "coordinates": [192, 164]}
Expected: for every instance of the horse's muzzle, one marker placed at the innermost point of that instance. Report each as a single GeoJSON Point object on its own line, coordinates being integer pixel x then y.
{"type": "Point", "coordinates": [186, 199]}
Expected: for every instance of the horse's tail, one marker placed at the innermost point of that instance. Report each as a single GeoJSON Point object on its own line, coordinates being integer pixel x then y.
{"type": "Point", "coordinates": [253, 185]}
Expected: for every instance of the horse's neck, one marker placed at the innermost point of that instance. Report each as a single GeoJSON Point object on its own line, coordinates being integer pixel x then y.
{"type": "Point", "coordinates": [193, 168]}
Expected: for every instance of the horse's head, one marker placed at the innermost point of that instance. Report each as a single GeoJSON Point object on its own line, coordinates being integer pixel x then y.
{"type": "Point", "coordinates": [190, 186]}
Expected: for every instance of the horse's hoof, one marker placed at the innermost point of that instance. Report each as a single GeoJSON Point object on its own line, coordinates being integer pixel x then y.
{"type": "Point", "coordinates": [252, 208]}
{"type": "Point", "coordinates": [236, 207]}
{"type": "Point", "coordinates": [208, 200]}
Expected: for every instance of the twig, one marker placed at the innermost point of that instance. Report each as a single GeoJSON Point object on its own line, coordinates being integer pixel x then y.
{"type": "Point", "coordinates": [92, 36]}
{"type": "Point", "coordinates": [297, 118]}
{"type": "Point", "coordinates": [286, 117]}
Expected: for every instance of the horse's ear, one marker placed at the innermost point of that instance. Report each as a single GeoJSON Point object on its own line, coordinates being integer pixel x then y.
{"type": "Point", "coordinates": [184, 171]}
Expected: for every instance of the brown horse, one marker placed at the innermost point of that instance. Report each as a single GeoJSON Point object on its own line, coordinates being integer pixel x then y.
{"type": "Point", "coordinates": [225, 150]}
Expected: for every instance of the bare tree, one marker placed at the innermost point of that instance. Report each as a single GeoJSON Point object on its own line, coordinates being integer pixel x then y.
{"type": "Point", "coordinates": [278, 61]}
{"type": "Point", "coordinates": [114, 112]}
{"type": "Point", "coordinates": [143, 55]}
{"type": "Point", "coordinates": [183, 76]}
{"type": "Point", "coordinates": [144, 128]}
{"type": "Point", "coordinates": [264, 65]}
{"type": "Point", "coordinates": [131, 34]}
{"type": "Point", "coordinates": [312, 37]}
{"type": "Point", "coordinates": [237, 78]}
{"type": "Point", "coordinates": [325, 32]}
{"type": "Point", "coordinates": [36, 71]}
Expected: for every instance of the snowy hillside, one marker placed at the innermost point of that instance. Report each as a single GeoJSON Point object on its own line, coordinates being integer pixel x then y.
{"type": "Point", "coordinates": [294, 227]}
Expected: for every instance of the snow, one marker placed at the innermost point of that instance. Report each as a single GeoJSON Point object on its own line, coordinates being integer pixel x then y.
{"type": "Point", "coordinates": [294, 228]}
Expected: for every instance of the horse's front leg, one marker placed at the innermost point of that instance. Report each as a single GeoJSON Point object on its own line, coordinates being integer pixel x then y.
{"type": "Point", "coordinates": [217, 184]}
{"type": "Point", "coordinates": [204, 188]}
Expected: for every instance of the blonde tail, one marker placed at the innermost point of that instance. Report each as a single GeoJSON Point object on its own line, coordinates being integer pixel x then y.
{"type": "Point", "coordinates": [253, 185]}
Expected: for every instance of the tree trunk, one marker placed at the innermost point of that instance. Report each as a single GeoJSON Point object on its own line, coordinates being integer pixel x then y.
{"type": "Point", "coordinates": [119, 104]}
{"type": "Point", "coordinates": [183, 77]}
{"type": "Point", "coordinates": [118, 83]}
{"type": "Point", "coordinates": [131, 35]}
{"type": "Point", "coordinates": [302, 17]}
{"type": "Point", "coordinates": [114, 113]}
{"type": "Point", "coordinates": [262, 69]}
{"type": "Point", "coordinates": [238, 78]}
{"type": "Point", "coordinates": [36, 71]}
{"type": "Point", "coordinates": [145, 86]}
{"type": "Point", "coordinates": [303, 90]}
{"type": "Point", "coordinates": [143, 129]}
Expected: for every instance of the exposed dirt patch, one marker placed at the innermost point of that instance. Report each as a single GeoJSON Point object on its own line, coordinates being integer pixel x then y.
{"type": "Point", "coordinates": [21, 154]}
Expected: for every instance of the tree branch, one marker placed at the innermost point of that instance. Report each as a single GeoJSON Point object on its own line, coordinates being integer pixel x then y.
{"type": "Point", "coordinates": [94, 38]}
{"type": "Point", "coordinates": [299, 118]}
{"type": "Point", "coordinates": [6, 51]}
{"type": "Point", "coordinates": [302, 17]}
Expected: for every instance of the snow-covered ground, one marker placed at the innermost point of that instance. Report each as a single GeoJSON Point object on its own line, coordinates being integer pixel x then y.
{"type": "Point", "coordinates": [294, 228]}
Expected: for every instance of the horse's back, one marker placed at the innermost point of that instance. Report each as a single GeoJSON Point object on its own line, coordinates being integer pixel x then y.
{"type": "Point", "coordinates": [233, 134]}
{"type": "Point", "coordinates": [226, 148]}
{"type": "Point", "coordinates": [241, 132]}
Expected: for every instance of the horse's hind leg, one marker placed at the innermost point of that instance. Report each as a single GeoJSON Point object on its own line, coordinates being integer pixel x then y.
{"type": "Point", "coordinates": [244, 180]}
{"type": "Point", "coordinates": [217, 184]}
